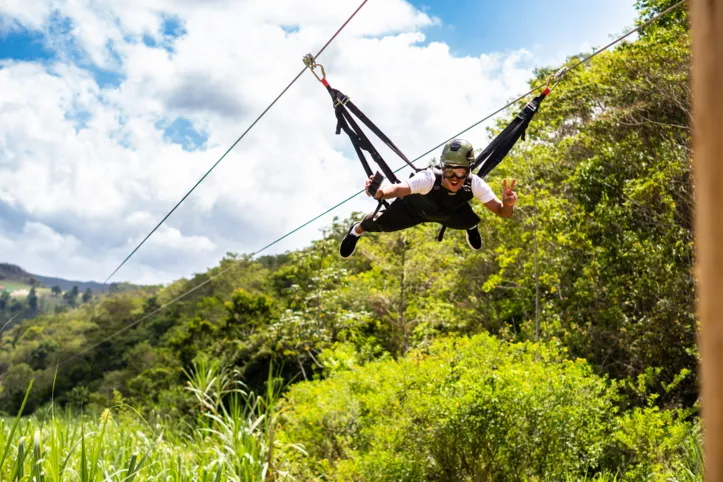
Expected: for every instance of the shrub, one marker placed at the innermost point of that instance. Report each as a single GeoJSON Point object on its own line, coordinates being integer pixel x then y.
{"type": "Point", "coordinates": [464, 409]}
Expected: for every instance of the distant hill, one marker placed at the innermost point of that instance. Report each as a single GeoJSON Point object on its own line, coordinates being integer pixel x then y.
{"type": "Point", "coordinates": [17, 302]}
{"type": "Point", "coordinates": [67, 285]}
{"type": "Point", "coordinates": [13, 273]}
{"type": "Point", "coordinates": [10, 272]}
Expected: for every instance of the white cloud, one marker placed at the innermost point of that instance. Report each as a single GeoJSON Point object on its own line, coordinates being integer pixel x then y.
{"type": "Point", "coordinates": [86, 170]}
{"type": "Point", "coordinates": [27, 13]}
{"type": "Point", "coordinates": [45, 248]}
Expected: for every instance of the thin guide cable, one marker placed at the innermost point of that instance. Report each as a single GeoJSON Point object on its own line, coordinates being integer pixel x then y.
{"type": "Point", "coordinates": [234, 144]}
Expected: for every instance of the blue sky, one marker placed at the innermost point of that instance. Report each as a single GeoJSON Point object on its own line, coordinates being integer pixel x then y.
{"type": "Point", "coordinates": [23, 45]}
{"type": "Point", "coordinates": [471, 27]}
{"type": "Point", "coordinates": [110, 112]}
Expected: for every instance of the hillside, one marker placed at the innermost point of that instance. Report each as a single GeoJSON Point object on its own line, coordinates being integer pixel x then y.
{"type": "Point", "coordinates": [67, 285]}
{"type": "Point", "coordinates": [24, 296]}
{"type": "Point", "coordinates": [14, 275]}
{"type": "Point", "coordinates": [16, 278]}
{"type": "Point", "coordinates": [10, 273]}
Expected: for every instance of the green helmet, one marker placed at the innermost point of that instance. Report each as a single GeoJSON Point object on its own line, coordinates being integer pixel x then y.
{"type": "Point", "coordinates": [457, 153]}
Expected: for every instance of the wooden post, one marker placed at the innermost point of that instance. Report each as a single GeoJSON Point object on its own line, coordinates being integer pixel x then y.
{"type": "Point", "coordinates": [537, 273]}
{"type": "Point", "coordinates": [707, 77]}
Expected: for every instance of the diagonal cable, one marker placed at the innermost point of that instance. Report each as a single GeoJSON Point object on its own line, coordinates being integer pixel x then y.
{"type": "Point", "coordinates": [8, 322]}
{"type": "Point", "coordinates": [619, 39]}
{"type": "Point", "coordinates": [278, 240]}
{"type": "Point", "coordinates": [234, 144]}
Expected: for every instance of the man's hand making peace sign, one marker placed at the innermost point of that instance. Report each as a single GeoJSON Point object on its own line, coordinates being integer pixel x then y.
{"type": "Point", "coordinates": [509, 197]}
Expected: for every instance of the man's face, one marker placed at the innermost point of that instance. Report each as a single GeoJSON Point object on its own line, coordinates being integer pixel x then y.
{"type": "Point", "coordinates": [453, 177]}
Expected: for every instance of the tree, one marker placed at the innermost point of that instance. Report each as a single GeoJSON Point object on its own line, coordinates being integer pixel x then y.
{"type": "Point", "coordinates": [611, 164]}
{"type": "Point", "coordinates": [71, 296]}
{"type": "Point", "coordinates": [56, 290]}
{"type": "Point", "coordinates": [33, 301]}
{"type": "Point", "coordinates": [16, 305]}
{"type": "Point", "coordinates": [15, 384]}
{"type": "Point", "coordinates": [88, 295]}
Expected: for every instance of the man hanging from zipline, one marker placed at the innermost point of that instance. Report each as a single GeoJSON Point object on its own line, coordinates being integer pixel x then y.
{"type": "Point", "coordinates": [435, 195]}
{"type": "Point", "coordinates": [431, 195]}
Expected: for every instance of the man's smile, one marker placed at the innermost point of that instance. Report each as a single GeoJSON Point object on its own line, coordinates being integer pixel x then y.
{"type": "Point", "coordinates": [454, 183]}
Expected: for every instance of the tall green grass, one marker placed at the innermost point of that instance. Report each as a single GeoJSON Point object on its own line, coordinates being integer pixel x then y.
{"type": "Point", "coordinates": [232, 439]}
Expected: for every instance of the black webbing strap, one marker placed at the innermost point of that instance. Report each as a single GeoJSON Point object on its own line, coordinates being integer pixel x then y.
{"type": "Point", "coordinates": [503, 143]}
{"type": "Point", "coordinates": [487, 160]}
{"type": "Point", "coordinates": [346, 122]}
{"type": "Point", "coordinates": [344, 108]}
{"type": "Point", "coordinates": [358, 141]}
{"type": "Point", "coordinates": [355, 139]}
{"type": "Point", "coordinates": [365, 120]}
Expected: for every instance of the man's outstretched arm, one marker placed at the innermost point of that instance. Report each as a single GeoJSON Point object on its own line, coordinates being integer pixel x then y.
{"type": "Point", "coordinates": [391, 191]}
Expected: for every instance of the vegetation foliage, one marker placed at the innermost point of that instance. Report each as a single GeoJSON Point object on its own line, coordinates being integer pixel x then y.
{"type": "Point", "coordinates": [565, 349]}
{"type": "Point", "coordinates": [470, 409]}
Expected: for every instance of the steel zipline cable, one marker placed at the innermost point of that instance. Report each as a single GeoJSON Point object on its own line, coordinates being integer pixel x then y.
{"type": "Point", "coordinates": [315, 218]}
{"type": "Point", "coordinates": [234, 144]}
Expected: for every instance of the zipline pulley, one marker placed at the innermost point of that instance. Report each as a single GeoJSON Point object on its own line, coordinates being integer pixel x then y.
{"type": "Point", "coordinates": [310, 62]}
{"type": "Point", "coordinates": [556, 77]}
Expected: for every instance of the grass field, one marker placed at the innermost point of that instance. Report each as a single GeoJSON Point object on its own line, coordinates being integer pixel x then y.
{"type": "Point", "coordinates": [14, 285]}
{"type": "Point", "coordinates": [47, 302]}
{"type": "Point", "coordinates": [229, 441]}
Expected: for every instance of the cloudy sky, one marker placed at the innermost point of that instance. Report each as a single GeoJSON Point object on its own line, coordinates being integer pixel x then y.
{"type": "Point", "coordinates": [110, 111]}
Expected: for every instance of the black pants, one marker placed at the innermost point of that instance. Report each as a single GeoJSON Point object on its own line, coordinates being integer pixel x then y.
{"type": "Point", "coordinates": [402, 214]}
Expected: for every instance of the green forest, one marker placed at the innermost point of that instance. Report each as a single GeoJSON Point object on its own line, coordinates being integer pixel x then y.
{"type": "Point", "coordinates": [565, 349]}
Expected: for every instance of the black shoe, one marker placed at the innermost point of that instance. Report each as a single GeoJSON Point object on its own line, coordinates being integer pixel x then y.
{"type": "Point", "coordinates": [348, 244]}
{"type": "Point", "coordinates": [474, 240]}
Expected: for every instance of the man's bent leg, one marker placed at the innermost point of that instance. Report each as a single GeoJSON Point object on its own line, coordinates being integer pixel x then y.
{"type": "Point", "coordinates": [396, 217]}
{"type": "Point", "coordinates": [399, 215]}
{"type": "Point", "coordinates": [466, 219]}
{"type": "Point", "coordinates": [463, 218]}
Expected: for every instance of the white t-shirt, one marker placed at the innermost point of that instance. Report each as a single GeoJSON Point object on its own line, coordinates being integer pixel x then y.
{"type": "Point", "coordinates": [423, 182]}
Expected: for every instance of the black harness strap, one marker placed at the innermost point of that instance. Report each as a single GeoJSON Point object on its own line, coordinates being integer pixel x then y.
{"type": "Point", "coordinates": [501, 145]}
{"type": "Point", "coordinates": [355, 139]}
{"type": "Point", "coordinates": [505, 140]}
{"type": "Point", "coordinates": [343, 109]}
{"type": "Point", "coordinates": [360, 140]}
{"type": "Point", "coordinates": [438, 184]}
{"type": "Point", "coordinates": [362, 117]}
